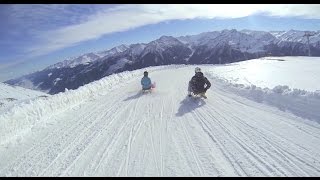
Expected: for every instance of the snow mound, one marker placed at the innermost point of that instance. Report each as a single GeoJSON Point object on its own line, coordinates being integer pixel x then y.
{"type": "Point", "coordinates": [302, 103]}
{"type": "Point", "coordinates": [10, 95]}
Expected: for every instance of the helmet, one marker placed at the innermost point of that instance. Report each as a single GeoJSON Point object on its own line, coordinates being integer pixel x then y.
{"type": "Point", "coordinates": [197, 69]}
{"type": "Point", "coordinates": [145, 73]}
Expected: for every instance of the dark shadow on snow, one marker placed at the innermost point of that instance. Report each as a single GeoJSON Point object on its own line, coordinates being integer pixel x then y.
{"type": "Point", "coordinates": [135, 96]}
{"type": "Point", "coordinates": [189, 104]}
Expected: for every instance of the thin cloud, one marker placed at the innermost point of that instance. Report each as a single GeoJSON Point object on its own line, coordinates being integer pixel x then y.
{"type": "Point", "coordinates": [104, 20]}
{"type": "Point", "coordinates": [307, 11]}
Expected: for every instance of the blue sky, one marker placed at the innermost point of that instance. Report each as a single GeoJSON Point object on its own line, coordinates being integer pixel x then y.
{"type": "Point", "coordinates": [34, 36]}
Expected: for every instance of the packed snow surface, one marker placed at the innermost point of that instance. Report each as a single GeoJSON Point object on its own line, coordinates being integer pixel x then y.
{"type": "Point", "coordinates": [109, 128]}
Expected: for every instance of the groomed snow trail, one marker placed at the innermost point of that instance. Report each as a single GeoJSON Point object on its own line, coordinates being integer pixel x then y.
{"type": "Point", "coordinates": [165, 133]}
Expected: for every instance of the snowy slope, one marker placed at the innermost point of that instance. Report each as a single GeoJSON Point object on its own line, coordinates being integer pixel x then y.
{"type": "Point", "coordinates": [10, 95]}
{"type": "Point", "coordinates": [288, 83]}
{"type": "Point", "coordinates": [108, 128]}
{"type": "Point", "coordinates": [268, 72]}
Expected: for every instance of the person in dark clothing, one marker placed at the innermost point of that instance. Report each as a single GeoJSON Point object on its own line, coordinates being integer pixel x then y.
{"type": "Point", "coordinates": [199, 84]}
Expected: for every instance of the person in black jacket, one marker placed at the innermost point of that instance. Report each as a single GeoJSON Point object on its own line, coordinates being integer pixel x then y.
{"type": "Point", "coordinates": [198, 85]}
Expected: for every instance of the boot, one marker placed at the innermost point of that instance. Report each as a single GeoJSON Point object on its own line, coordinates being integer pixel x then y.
{"type": "Point", "coordinates": [203, 95]}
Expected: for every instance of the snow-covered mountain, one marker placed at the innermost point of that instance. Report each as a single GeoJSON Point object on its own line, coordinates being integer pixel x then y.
{"type": "Point", "coordinates": [217, 47]}
{"type": "Point", "coordinates": [261, 118]}
{"type": "Point", "coordinates": [115, 50]}
{"type": "Point", "coordinates": [87, 58]}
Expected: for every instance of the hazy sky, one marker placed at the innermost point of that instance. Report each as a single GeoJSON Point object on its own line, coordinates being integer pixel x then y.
{"type": "Point", "coordinates": [33, 36]}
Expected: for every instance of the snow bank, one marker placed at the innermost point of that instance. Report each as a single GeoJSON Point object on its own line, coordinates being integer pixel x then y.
{"type": "Point", "coordinates": [302, 103]}
{"type": "Point", "coordinates": [10, 95]}
{"type": "Point", "coordinates": [296, 72]}
{"type": "Point", "coordinates": [22, 117]}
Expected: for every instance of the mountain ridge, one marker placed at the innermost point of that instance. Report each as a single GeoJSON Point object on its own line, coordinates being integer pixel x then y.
{"type": "Point", "coordinates": [216, 47]}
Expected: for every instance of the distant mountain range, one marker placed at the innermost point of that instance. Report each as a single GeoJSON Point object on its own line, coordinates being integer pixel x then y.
{"type": "Point", "coordinates": [217, 47]}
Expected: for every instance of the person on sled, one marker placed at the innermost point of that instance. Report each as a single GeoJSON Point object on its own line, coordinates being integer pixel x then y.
{"type": "Point", "coordinates": [199, 84]}
{"type": "Point", "coordinates": [146, 82]}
